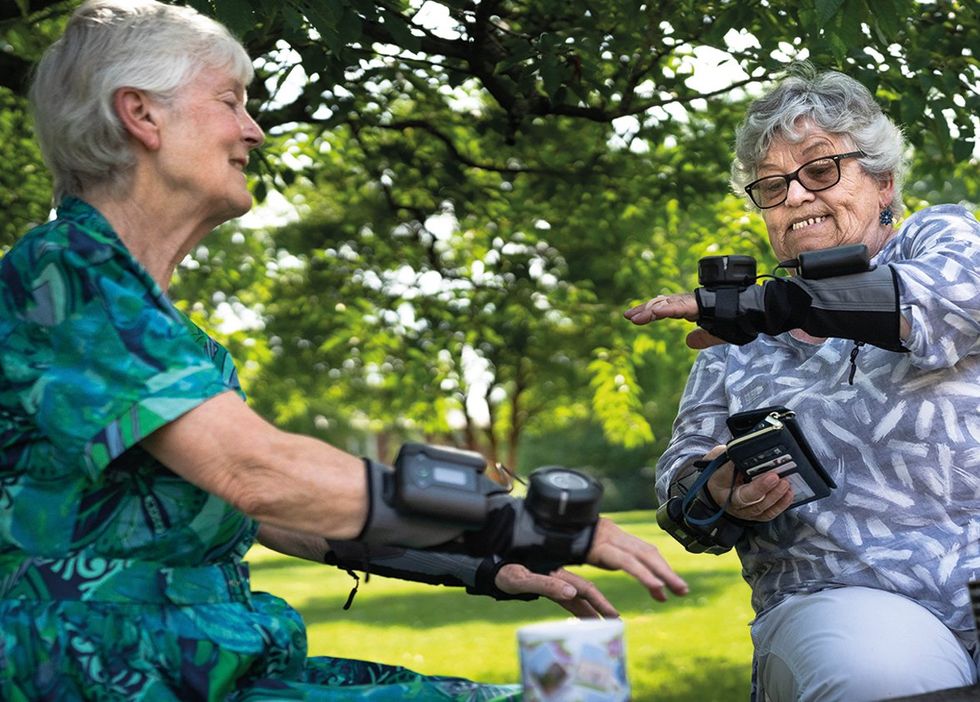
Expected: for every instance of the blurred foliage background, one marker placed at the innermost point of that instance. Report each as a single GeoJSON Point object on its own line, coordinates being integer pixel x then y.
{"type": "Point", "coordinates": [457, 200]}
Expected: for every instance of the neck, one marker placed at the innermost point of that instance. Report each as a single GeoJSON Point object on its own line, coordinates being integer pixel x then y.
{"type": "Point", "coordinates": [157, 231]}
{"type": "Point", "coordinates": [882, 235]}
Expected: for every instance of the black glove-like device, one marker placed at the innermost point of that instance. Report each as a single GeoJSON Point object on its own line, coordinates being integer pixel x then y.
{"type": "Point", "coordinates": [439, 498]}
{"type": "Point", "coordinates": [770, 439]}
{"type": "Point", "coordinates": [837, 293]}
{"type": "Point", "coordinates": [701, 526]}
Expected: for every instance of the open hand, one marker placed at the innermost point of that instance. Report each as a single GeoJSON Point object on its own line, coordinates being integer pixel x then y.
{"type": "Point", "coordinates": [576, 594]}
{"type": "Point", "coordinates": [615, 549]}
{"type": "Point", "coordinates": [680, 306]}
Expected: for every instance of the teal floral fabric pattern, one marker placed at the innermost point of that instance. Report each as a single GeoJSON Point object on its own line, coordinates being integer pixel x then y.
{"type": "Point", "coordinates": [119, 580]}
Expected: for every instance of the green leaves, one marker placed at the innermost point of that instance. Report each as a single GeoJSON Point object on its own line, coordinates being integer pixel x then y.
{"type": "Point", "coordinates": [337, 23]}
{"type": "Point", "coordinates": [616, 400]}
{"type": "Point", "coordinates": [235, 14]}
{"type": "Point", "coordinates": [573, 167]}
{"type": "Point", "coordinates": [826, 9]}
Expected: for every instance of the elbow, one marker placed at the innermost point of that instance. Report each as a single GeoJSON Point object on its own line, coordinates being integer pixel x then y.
{"type": "Point", "coordinates": [253, 485]}
{"type": "Point", "coordinates": [253, 499]}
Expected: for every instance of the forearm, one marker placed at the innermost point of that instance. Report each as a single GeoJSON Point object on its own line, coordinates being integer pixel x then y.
{"type": "Point", "coordinates": [282, 480]}
{"type": "Point", "coordinates": [293, 543]}
{"type": "Point", "coordinates": [700, 422]}
{"type": "Point", "coordinates": [299, 484]}
{"type": "Point", "coordinates": [293, 483]}
{"type": "Point", "coordinates": [862, 306]}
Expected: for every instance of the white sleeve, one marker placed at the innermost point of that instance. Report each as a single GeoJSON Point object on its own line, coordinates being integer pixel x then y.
{"type": "Point", "coordinates": [700, 423]}
{"type": "Point", "coordinates": [938, 272]}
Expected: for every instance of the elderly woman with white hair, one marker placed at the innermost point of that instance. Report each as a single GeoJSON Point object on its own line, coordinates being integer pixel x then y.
{"type": "Point", "coordinates": [133, 478]}
{"type": "Point", "coordinates": [862, 594]}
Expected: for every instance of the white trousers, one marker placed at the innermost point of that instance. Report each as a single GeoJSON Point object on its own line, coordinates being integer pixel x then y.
{"type": "Point", "coordinates": [855, 644]}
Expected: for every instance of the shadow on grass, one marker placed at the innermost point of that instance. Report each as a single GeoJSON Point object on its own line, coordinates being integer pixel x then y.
{"type": "Point", "coordinates": [704, 679]}
{"type": "Point", "coordinates": [270, 565]}
{"type": "Point", "coordinates": [452, 606]}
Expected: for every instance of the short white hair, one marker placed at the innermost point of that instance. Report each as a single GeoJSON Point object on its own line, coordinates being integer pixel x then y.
{"type": "Point", "coordinates": [107, 45]}
{"type": "Point", "coordinates": [835, 103]}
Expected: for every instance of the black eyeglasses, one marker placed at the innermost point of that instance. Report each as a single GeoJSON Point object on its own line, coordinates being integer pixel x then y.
{"type": "Point", "coordinates": [816, 175]}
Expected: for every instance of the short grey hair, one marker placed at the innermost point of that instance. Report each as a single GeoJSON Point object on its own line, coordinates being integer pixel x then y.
{"type": "Point", "coordinates": [107, 45]}
{"type": "Point", "coordinates": [836, 104]}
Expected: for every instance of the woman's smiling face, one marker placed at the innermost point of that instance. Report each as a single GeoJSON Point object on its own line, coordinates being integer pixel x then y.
{"type": "Point", "coordinates": [846, 213]}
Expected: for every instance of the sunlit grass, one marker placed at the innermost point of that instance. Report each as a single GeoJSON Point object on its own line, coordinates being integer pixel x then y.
{"type": "Point", "coordinates": [691, 649]}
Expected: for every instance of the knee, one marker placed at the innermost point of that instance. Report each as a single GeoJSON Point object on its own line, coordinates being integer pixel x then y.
{"type": "Point", "coordinates": [876, 675]}
{"type": "Point", "coordinates": [848, 646]}
{"type": "Point", "coordinates": [841, 673]}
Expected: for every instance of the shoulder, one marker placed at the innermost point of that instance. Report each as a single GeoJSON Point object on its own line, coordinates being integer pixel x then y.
{"type": "Point", "coordinates": [941, 227]}
{"type": "Point", "coordinates": [940, 213]}
{"type": "Point", "coordinates": [70, 241]}
{"type": "Point", "coordinates": [64, 263]}
{"type": "Point", "coordinates": [940, 218]}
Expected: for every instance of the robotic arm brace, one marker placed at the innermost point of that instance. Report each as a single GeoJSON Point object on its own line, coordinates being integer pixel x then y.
{"type": "Point", "coordinates": [439, 499]}
{"type": "Point", "coordinates": [835, 294]}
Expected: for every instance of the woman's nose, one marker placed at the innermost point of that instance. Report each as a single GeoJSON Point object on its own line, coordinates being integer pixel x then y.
{"type": "Point", "coordinates": [796, 193]}
{"type": "Point", "coordinates": [254, 136]}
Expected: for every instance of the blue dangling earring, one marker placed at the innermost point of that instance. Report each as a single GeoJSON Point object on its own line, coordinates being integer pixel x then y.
{"type": "Point", "coordinates": [885, 217]}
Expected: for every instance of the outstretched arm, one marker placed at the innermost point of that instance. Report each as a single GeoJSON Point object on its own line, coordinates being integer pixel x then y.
{"type": "Point", "coordinates": [861, 306]}
{"type": "Point", "coordinates": [574, 593]}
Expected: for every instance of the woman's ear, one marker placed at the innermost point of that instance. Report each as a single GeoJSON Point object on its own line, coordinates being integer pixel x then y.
{"type": "Point", "coordinates": [886, 191]}
{"type": "Point", "coordinates": [139, 116]}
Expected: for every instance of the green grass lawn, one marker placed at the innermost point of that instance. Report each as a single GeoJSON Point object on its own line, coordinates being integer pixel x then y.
{"type": "Point", "coordinates": [691, 649]}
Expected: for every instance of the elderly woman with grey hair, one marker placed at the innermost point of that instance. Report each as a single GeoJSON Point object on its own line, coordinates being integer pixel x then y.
{"type": "Point", "coordinates": [862, 594]}
{"type": "Point", "coordinates": [133, 478]}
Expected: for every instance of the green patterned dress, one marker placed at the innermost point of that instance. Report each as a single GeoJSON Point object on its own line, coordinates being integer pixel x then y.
{"type": "Point", "coordinates": [118, 579]}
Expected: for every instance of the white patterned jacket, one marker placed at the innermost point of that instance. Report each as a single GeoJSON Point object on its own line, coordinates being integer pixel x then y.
{"type": "Point", "coordinates": [902, 443]}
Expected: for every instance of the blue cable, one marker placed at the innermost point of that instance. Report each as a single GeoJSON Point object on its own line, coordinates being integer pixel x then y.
{"type": "Point", "coordinates": [699, 484]}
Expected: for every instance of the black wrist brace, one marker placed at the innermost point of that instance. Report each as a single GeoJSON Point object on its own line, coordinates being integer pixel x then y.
{"type": "Point", "coordinates": [511, 530]}
{"type": "Point", "coordinates": [862, 307]}
{"type": "Point", "coordinates": [477, 575]}
{"type": "Point", "coordinates": [508, 529]}
{"type": "Point", "coordinates": [387, 526]}
{"type": "Point", "coordinates": [716, 538]}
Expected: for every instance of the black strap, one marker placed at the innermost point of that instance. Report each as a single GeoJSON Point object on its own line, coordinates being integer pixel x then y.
{"type": "Point", "coordinates": [353, 592]}
{"type": "Point", "coordinates": [477, 575]}
{"type": "Point", "coordinates": [862, 307]}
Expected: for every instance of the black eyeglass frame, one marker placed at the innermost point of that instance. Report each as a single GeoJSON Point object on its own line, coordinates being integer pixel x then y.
{"type": "Point", "coordinates": [795, 175]}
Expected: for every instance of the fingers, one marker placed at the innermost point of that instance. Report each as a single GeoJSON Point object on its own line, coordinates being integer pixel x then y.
{"type": "Point", "coordinates": [683, 306]}
{"type": "Point", "coordinates": [615, 549]}
{"type": "Point", "coordinates": [613, 558]}
{"type": "Point", "coordinates": [579, 608]}
{"type": "Point", "coordinates": [588, 598]}
{"type": "Point", "coordinates": [574, 593]}
{"type": "Point", "coordinates": [516, 579]}
{"type": "Point", "coordinates": [761, 500]}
